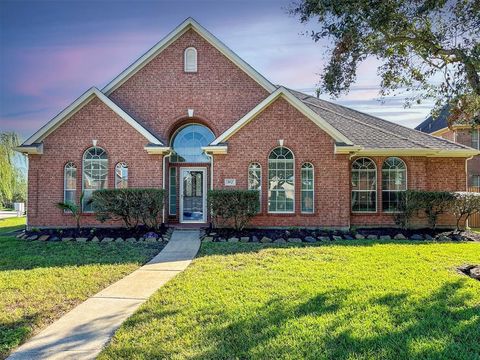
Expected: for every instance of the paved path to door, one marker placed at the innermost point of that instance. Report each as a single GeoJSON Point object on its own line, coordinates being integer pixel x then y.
{"type": "Point", "coordinates": [84, 331]}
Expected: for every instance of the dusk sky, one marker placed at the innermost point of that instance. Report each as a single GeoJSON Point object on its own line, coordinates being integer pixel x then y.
{"type": "Point", "coordinates": [53, 51]}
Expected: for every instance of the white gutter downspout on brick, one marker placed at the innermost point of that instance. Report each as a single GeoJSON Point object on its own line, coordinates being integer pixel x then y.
{"type": "Point", "coordinates": [163, 180]}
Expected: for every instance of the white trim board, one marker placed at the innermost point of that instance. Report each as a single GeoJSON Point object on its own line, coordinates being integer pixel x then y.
{"type": "Point", "coordinates": [292, 100]}
{"type": "Point", "coordinates": [80, 102]}
{"type": "Point", "coordinates": [181, 29]}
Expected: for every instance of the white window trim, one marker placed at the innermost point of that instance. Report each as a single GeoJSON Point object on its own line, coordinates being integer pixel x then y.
{"type": "Point", "coordinates": [478, 138]}
{"type": "Point", "coordinates": [185, 64]}
{"type": "Point", "coordinates": [261, 187]}
{"type": "Point", "coordinates": [83, 177]}
{"type": "Point", "coordinates": [302, 190]}
{"type": "Point", "coordinates": [406, 183]}
{"type": "Point", "coordinates": [268, 183]}
{"type": "Point", "coordinates": [70, 164]}
{"type": "Point", "coordinates": [123, 164]}
{"type": "Point", "coordinates": [376, 189]}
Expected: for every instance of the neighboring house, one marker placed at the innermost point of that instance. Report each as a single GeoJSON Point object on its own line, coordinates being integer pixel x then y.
{"type": "Point", "coordinates": [461, 134]}
{"type": "Point", "coordinates": [190, 115]}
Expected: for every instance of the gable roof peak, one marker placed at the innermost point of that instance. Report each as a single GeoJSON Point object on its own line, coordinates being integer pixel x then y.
{"type": "Point", "coordinates": [187, 24]}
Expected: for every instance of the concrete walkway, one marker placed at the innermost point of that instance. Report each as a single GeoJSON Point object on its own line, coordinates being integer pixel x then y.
{"type": "Point", "coordinates": [84, 331]}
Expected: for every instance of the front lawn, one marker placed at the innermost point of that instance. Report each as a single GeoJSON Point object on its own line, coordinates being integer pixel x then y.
{"type": "Point", "coordinates": [40, 281]}
{"type": "Point", "coordinates": [11, 224]}
{"type": "Point", "coordinates": [345, 300]}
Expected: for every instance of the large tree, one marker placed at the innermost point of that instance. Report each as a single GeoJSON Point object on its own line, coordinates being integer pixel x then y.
{"type": "Point", "coordinates": [13, 186]}
{"type": "Point", "coordinates": [428, 48]}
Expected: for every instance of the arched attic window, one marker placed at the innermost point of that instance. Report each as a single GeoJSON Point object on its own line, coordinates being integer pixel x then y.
{"type": "Point", "coordinates": [190, 59]}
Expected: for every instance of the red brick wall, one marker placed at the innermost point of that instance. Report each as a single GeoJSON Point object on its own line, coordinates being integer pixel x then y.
{"type": "Point", "coordinates": [161, 92]}
{"type": "Point", "coordinates": [308, 142]}
{"type": "Point", "coordinates": [423, 173]}
{"type": "Point", "coordinates": [122, 142]}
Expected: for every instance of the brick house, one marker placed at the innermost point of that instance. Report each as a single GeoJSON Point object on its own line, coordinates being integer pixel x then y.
{"type": "Point", "coordinates": [461, 134]}
{"type": "Point", "coordinates": [191, 115]}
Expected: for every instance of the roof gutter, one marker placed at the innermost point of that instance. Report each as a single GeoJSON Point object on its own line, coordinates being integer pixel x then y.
{"type": "Point", "coordinates": [33, 149]}
{"type": "Point", "coordinates": [361, 151]}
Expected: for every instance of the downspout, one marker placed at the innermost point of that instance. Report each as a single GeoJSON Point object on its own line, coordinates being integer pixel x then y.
{"type": "Point", "coordinates": [163, 179]}
{"type": "Point", "coordinates": [211, 169]}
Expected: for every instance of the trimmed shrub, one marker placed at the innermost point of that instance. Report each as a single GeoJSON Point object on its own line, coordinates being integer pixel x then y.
{"type": "Point", "coordinates": [233, 207]}
{"type": "Point", "coordinates": [465, 205]}
{"type": "Point", "coordinates": [132, 206]}
{"type": "Point", "coordinates": [432, 203]}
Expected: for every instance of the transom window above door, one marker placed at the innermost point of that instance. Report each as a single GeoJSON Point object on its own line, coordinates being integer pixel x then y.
{"type": "Point", "coordinates": [187, 144]}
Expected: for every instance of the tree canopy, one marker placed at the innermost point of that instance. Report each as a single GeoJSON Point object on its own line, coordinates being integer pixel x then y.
{"type": "Point", "coordinates": [428, 48]}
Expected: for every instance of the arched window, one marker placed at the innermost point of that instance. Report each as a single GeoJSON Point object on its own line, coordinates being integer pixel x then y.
{"type": "Point", "coordinates": [121, 176]}
{"type": "Point", "coordinates": [70, 183]}
{"type": "Point", "coordinates": [394, 183]}
{"type": "Point", "coordinates": [255, 181]}
{"type": "Point", "coordinates": [95, 174]}
{"type": "Point", "coordinates": [364, 185]}
{"type": "Point", "coordinates": [187, 144]}
{"type": "Point", "coordinates": [190, 59]}
{"type": "Point", "coordinates": [307, 188]}
{"type": "Point", "coordinates": [281, 181]}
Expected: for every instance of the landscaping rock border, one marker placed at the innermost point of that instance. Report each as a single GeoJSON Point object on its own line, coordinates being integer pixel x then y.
{"type": "Point", "coordinates": [277, 236]}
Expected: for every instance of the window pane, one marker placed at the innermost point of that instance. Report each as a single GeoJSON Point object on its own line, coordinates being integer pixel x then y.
{"type": "Point", "coordinates": [95, 173]}
{"type": "Point", "coordinates": [173, 191]}
{"type": "Point", "coordinates": [187, 144]}
{"type": "Point", "coordinates": [281, 181]}
{"type": "Point", "coordinates": [394, 183]}
{"type": "Point", "coordinates": [121, 176]}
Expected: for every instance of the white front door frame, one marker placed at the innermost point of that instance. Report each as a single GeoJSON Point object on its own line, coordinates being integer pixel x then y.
{"type": "Point", "coordinates": [204, 193]}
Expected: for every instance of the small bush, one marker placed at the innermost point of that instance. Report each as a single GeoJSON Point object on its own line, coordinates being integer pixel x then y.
{"type": "Point", "coordinates": [432, 203]}
{"type": "Point", "coordinates": [132, 206]}
{"type": "Point", "coordinates": [233, 207]}
{"type": "Point", "coordinates": [465, 205]}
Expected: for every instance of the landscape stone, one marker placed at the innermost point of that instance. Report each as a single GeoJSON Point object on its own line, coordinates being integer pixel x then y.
{"type": "Point", "coordinates": [245, 239]}
{"type": "Point", "coordinates": [385, 237]}
{"type": "Point", "coordinates": [208, 239]}
{"type": "Point", "coordinates": [416, 237]}
{"type": "Point", "coordinates": [81, 239]}
{"type": "Point", "coordinates": [323, 238]}
{"type": "Point", "coordinates": [294, 240]}
{"type": "Point", "coordinates": [337, 237]}
{"type": "Point", "coordinates": [400, 236]}
{"type": "Point", "coordinates": [54, 238]}
{"type": "Point", "coordinates": [107, 239]}
{"type": "Point", "coordinates": [43, 237]}
{"type": "Point", "coordinates": [131, 240]}
{"type": "Point", "coordinates": [19, 235]}
{"type": "Point", "coordinates": [265, 240]}
{"type": "Point", "coordinates": [222, 239]}
{"type": "Point", "coordinates": [150, 240]}
{"type": "Point", "coordinates": [32, 237]}
{"type": "Point", "coordinates": [359, 236]}
{"type": "Point", "coordinates": [233, 240]}
{"type": "Point", "coordinates": [213, 233]}
{"type": "Point", "coordinates": [280, 241]}
{"type": "Point", "coordinates": [68, 238]}
{"type": "Point", "coordinates": [443, 238]}
{"type": "Point", "coordinates": [475, 272]}
{"type": "Point", "coordinates": [140, 239]}
{"type": "Point", "coordinates": [255, 239]}
{"type": "Point", "coordinates": [95, 239]}
{"type": "Point", "coordinates": [24, 236]}
{"type": "Point", "coordinates": [372, 237]}
{"type": "Point", "coordinates": [347, 237]}
{"type": "Point", "coordinates": [428, 237]}
{"type": "Point", "coordinates": [119, 239]}
{"type": "Point", "coordinates": [310, 239]}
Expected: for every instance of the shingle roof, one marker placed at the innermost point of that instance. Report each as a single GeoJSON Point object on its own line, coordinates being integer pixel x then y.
{"type": "Point", "coordinates": [371, 132]}
{"type": "Point", "coordinates": [432, 124]}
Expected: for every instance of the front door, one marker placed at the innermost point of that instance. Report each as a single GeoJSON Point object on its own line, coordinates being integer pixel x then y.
{"type": "Point", "coordinates": [193, 188]}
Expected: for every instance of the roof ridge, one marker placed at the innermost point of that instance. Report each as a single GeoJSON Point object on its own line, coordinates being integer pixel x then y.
{"type": "Point", "coordinates": [383, 120]}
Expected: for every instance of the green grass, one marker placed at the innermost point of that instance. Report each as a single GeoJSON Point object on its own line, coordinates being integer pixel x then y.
{"type": "Point", "coordinates": [12, 224]}
{"type": "Point", "coordinates": [347, 300]}
{"type": "Point", "coordinates": [40, 281]}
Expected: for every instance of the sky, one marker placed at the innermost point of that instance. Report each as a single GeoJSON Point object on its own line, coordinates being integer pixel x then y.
{"type": "Point", "coordinates": [53, 51]}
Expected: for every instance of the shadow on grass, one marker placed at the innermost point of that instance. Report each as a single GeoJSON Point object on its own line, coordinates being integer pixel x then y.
{"type": "Point", "coordinates": [211, 249]}
{"type": "Point", "coordinates": [441, 326]}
